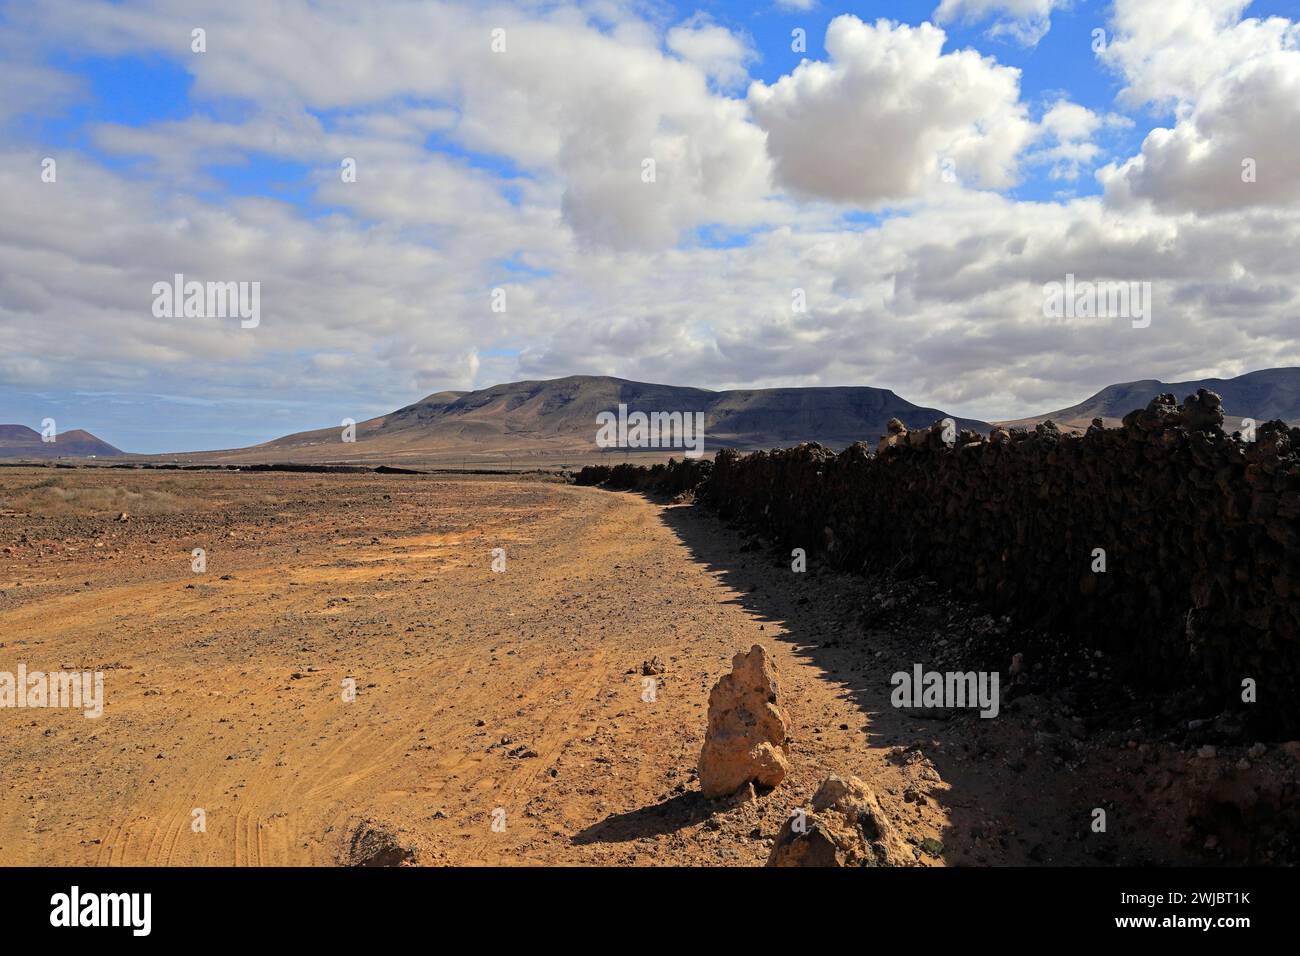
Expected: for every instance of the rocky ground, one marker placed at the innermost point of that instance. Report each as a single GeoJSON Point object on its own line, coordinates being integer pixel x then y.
{"type": "Point", "coordinates": [507, 716]}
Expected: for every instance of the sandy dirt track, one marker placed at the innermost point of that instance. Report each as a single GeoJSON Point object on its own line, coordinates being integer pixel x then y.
{"type": "Point", "coordinates": [476, 690]}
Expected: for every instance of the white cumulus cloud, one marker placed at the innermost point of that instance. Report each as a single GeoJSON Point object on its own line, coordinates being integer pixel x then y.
{"type": "Point", "coordinates": [876, 122]}
{"type": "Point", "coordinates": [1234, 86]}
{"type": "Point", "coordinates": [1025, 21]}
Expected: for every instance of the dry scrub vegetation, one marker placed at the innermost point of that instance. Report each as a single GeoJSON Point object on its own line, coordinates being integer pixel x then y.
{"type": "Point", "coordinates": [55, 496]}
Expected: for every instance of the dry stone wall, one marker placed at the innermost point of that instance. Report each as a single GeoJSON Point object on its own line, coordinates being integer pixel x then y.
{"type": "Point", "coordinates": [1199, 532]}
{"type": "Point", "coordinates": [671, 478]}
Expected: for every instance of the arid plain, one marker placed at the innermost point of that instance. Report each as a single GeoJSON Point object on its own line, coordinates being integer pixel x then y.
{"type": "Point", "coordinates": [512, 696]}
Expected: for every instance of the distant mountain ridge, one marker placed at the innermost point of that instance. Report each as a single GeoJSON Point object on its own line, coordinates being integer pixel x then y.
{"type": "Point", "coordinates": [558, 417]}
{"type": "Point", "coordinates": [19, 441]}
{"type": "Point", "coordinates": [1262, 395]}
{"type": "Point", "coordinates": [550, 421]}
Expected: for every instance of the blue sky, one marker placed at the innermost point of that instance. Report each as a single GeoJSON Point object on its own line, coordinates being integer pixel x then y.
{"type": "Point", "coordinates": [520, 172]}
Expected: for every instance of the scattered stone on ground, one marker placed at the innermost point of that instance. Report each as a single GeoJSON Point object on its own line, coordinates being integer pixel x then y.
{"type": "Point", "coordinates": [847, 827]}
{"type": "Point", "coordinates": [373, 844]}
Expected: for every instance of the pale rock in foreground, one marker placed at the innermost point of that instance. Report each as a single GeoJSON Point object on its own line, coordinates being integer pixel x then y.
{"type": "Point", "coordinates": [847, 827]}
{"type": "Point", "coordinates": [745, 742]}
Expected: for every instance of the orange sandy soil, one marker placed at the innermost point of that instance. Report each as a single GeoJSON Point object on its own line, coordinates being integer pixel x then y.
{"type": "Point", "coordinates": [476, 690]}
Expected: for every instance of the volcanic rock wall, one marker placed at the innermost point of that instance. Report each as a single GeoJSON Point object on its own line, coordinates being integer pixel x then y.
{"type": "Point", "coordinates": [670, 479]}
{"type": "Point", "coordinates": [1200, 533]}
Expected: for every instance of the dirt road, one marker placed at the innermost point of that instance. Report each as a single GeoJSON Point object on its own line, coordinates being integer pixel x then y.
{"type": "Point", "coordinates": [500, 716]}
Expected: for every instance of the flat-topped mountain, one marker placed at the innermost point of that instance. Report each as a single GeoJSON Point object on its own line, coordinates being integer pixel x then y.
{"type": "Point", "coordinates": [558, 417]}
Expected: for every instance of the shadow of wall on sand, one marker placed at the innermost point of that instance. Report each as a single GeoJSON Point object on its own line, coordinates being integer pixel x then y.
{"type": "Point", "coordinates": [1011, 796]}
